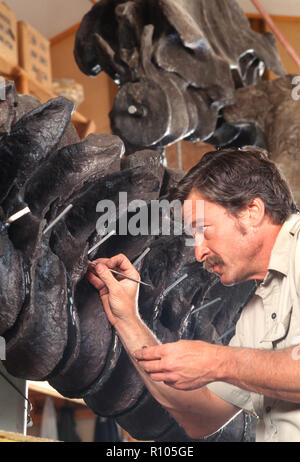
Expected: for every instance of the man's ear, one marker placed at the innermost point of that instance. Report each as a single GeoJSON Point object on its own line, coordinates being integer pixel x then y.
{"type": "Point", "coordinates": [256, 212]}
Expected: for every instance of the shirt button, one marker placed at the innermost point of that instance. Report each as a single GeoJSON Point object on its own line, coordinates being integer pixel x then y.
{"type": "Point", "coordinates": [274, 315]}
{"type": "Point", "coordinates": [268, 409]}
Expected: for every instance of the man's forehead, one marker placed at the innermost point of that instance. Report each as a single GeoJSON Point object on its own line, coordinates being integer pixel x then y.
{"type": "Point", "coordinates": [193, 211]}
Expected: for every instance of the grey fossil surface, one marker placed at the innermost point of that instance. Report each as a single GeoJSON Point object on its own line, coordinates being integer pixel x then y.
{"type": "Point", "coordinates": [271, 108]}
{"type": "Point", "coordinates": [177, 63]}
{"type": "Point", "coordinates": [8, 105]}
{"type": "Point", "coordinates": [36, 342]}
{"type": "Point", "coordinates": [186, 69]}
{"type": "Point", "coordinates": [12, 287]}
{"type": "Point", "coordinates": [53, 320]}
{"type": "Point", "coordinates": [69, 168]}
{"type": "Point", "coordinates": [97, 340]}
{"type": "Point", "coordinates": [120, 392]}
{"type": "Point", "coordinates": [30, 140]}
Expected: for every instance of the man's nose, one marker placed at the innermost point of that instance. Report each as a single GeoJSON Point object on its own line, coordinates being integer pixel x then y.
{"type": "Point", "coordinates": [201, 250]}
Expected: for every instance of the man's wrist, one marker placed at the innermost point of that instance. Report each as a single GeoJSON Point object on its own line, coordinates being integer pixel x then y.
{"type": "Point", "coordinates": [127, 323]}
{"type": "Point", "coordinates": [224, 363]}
{"type": "Point", "coordinates": [134, 334]}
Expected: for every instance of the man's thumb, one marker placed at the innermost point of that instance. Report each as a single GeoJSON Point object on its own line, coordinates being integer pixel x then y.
{"type": "Point", "coordinates": [105, 275]}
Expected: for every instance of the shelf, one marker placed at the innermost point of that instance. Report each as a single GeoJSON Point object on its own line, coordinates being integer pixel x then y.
{"type": "Point", "coordinates": [46, 389]}
{"type": "Point", "coordinates": [25, 84]}
{"type": "Point", "coordinates": [39, 391]}
{"type": "Point", "coordinates": [9, 437]}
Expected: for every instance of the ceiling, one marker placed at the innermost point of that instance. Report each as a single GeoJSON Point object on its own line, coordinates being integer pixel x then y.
{"type": "Point", "coordinates": [52, 17]}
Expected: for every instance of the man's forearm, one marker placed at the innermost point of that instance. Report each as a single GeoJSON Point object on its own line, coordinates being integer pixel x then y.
{"type": "Point", "coordinates": [199, 411]}
{"type": "Point", "coordinates": [271, 373]}
{"type": "Point", "coordinates": [134, 336]}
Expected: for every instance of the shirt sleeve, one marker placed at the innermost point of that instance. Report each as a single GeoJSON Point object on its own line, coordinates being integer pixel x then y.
{"type": "Point", "coordinates": [297, 267]}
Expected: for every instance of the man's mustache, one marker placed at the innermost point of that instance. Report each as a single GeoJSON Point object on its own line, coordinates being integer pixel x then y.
{"type": "Point", "coordinates": [211, 262]}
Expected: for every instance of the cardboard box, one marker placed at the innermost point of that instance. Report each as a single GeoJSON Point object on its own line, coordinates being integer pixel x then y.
{"type": "Point", "coordinates": [8, 34]}
{"type": "Point", "coordinates": [34, 54]}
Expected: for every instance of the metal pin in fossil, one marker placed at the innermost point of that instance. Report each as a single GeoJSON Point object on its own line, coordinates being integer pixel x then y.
{"type": "Point", "coordinates": [168, 289]}
{"type": "Point", "coordinates": [226, 333]}
{"type": "Point", "coordinates": [101, 242]}
{"type": "Point", "coordinates": [57, 219]}
{"type": "Point", "coordinates": [16, 216]}
{"type": "Point", "coordinates": [205, 305]}
{"type": "Point", "coordinates": [140, 258]}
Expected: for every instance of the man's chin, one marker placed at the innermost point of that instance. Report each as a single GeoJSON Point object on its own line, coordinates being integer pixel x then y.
{"type": "Point", "coordinates": [227, 281]}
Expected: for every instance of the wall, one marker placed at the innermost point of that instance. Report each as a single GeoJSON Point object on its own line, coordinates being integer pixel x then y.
{"type": "Point", "coordinates": [290, 28]}
{"type": "Point", "coordinates": [99, 91]}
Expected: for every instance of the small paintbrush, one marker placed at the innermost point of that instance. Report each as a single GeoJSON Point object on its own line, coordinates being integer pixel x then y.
{"type": "Point", "coordinates": [124, 275]}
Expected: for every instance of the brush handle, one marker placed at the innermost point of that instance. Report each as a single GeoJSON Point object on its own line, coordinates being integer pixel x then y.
{"type": "Point", "coordinates": [124, 276]}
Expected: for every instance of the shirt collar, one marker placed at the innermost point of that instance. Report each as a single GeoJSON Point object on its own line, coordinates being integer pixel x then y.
{"type": "Point", "coordinates": [279, 260]}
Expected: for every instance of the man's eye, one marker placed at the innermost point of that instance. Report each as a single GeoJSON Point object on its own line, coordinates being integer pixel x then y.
{"type": "Point", "coordinates": [200, 229]}
{"type": "Point", "coordinates": [195, 230]}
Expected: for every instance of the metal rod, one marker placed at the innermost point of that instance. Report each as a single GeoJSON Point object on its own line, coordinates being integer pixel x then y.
{"type": "Point", "coordinates": [16, 216]}
{"type": "Point", "coordinates": [124, 275]}
{"type": "Point", "coordinates": [30, 407]}
{"type": "Point", "coordinates": [179, 155]}
{"type": "Point", "coordinates": [57, 219]}
{"type": "Point", "coordinates": [102, 241]}
{"type": "Point", "coordinates": [226, 333]}
{"type": "Point", "coordinates": [205, 306]}
{"type": "Point", "coordinates": [140, 258]}
{"type": "Point", "coordinates": [168, 289]}
{"type": "Point", "coordinates": [288, 47]}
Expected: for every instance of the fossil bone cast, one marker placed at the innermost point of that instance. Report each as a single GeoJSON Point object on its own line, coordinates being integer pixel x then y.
{"type": "Point", "coordinates": [8, 103]}
{"type": "Point", "coordinates": [36, 342]}
{"type": "Point", "coordinates": [178, 63]}
{"type": "Point", "coordinates": [272, 110]}
{"type": "Point", "coordinates": [187, 69]}
{"type": "Point", "coordinates": [51, 317]}
{"type": "Point", "coordinates": [98, 354]}
{"type": "Point", "coordinates": [12, 287]}
{"type": "Point", "coordinates": [98, 351]}
{"type": "Point", "coordinates": [31, 139]}
{"type": "Point", "coordinates": [72, 167]}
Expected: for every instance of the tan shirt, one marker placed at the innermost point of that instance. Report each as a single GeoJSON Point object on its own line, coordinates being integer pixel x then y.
{"type": "Point", "coordinates": [271, 321]}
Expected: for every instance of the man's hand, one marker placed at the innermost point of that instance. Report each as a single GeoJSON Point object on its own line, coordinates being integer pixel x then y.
{"type": "Point", "coordinates": [200, 412]}
{"type": "Point", "coordinates": [119, 298]}
{"type": "Point", "coordinates": [184, 365]}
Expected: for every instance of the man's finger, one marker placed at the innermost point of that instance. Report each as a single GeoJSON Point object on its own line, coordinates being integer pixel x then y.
{"type": "Point", "coordinates": [148, 354]}
{"type": "Point", "coordinates": [99, 260]}
{"type": "Point", "coordinates": [106, 276]}
{"type": "Point", "coordinates": [162, 377]}
{"type": "Point", "coordinates": [151, 366]}
{"type": "Point", "coordinates": [122, 263]}
{"type": "Point", "coordinates": [95, 281]}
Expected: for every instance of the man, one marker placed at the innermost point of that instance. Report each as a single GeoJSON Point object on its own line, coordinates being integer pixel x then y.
{"type": "Point", "coordinates": [251, 230]}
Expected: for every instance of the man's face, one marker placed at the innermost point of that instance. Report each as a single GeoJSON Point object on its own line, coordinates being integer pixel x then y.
{"type": "Point", "coordinates": [223, 242]}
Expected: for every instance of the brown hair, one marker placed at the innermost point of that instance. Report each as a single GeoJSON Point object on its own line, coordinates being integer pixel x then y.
{"type": "Point", "coordinates": [234, 177]}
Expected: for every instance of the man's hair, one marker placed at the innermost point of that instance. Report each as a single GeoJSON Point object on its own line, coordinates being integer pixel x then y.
{"type": "Point", "coordinates": [234, 177]}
